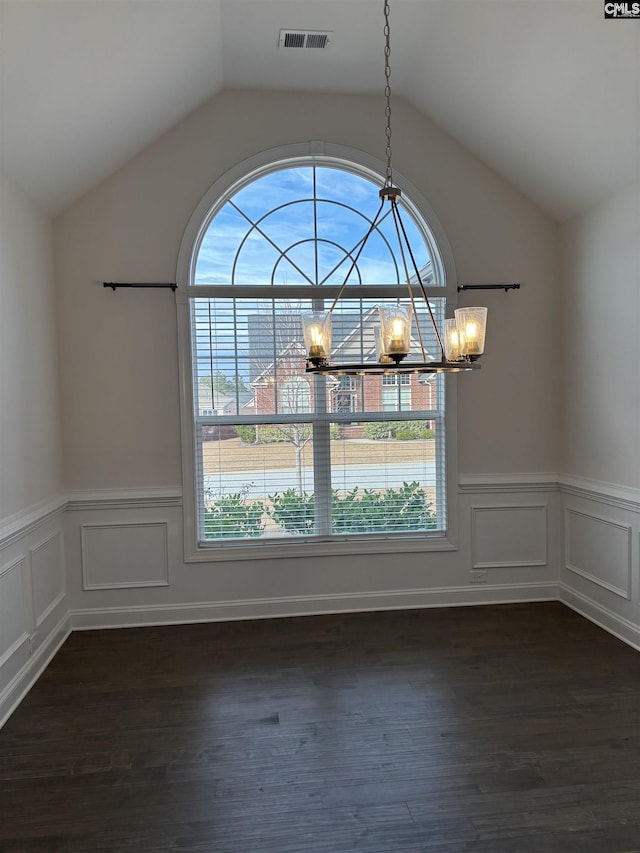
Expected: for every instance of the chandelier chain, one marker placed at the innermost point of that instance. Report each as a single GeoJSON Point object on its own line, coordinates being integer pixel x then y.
{"type": "Point", "coordinates": [463, 334]}
{"type": "Point", "coordinates": [387, 92]}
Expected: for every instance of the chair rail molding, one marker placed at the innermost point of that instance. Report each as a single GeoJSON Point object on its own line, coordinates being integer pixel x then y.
{"type": "Point", "coordinates": [623, 497]}
{"type": "Point", "coordinates": [504, 483]}
{"type": "Point", "coordinates": [166, 496]}
{"type": "Point", "coordinates": [15, 526]}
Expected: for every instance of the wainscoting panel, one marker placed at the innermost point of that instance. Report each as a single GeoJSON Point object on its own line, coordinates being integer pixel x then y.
{"type": "Point", "coordinates": [534, 537]}
{"type": "Point", "coordinates": [124, 555]}
{"type": "Point", "coordinates": [47, 576]}
{"type": "Point", "coordinates": [14, 623]}
{"type": "Point", "coordinates": [599, 550]}
{"type": "Point", "coordinates": [508, 536]}
{"type": "Point", "coordinates": [34, 618]}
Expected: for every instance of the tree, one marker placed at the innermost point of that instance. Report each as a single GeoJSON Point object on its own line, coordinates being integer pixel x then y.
{"type": "Point", "coordinates": [224, 384]}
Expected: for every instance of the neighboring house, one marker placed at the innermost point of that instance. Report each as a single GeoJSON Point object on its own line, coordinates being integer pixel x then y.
{"type": "Point", "coordinates": [212, 402]}
{"type": "Point", "coordinates": [283, 387]}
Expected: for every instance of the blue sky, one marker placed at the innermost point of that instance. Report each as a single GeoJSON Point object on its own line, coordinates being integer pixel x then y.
{"type": "Point", "coordinates": [282, 205]}
{"type": "Point", "coordinates": [280, 229]}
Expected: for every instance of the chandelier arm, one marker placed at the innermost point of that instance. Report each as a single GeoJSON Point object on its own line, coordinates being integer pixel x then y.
{"type": "Point", "coordinates": [414, 367]}
{"type": "Point", "coordinates": [394, 210]}
{"type": "Point", "coordinates": [422, 288]}
{"type": "Point", "coordinates": [357, 256]}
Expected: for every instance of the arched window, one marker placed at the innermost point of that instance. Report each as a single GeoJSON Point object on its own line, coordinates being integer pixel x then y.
{"type": "Point", "coordinates": [280, 455]}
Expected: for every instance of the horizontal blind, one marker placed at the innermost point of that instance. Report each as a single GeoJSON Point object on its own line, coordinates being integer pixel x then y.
{"type": "Point", "coordinates": [257, 415]}
{"type": "Point", "coordinates": [283, 453]}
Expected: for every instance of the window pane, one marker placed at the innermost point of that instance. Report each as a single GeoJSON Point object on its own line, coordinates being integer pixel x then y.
{"type": "Point", "coordinates": [305, 225]}
{"type": "Point", "coordinates": [217, 252]}
{"type": "Point", "coordinates": [257, 481]}
{"type": "Point", "coordinates": [383, 477]}
{"type": "Point", "coordinates": [243, 351]}
{"type": "Point", "coordinates": [274, 189]}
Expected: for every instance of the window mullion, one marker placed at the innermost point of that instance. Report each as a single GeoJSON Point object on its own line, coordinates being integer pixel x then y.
{"type": "Point", "coordinates": [321, 452]}
{"type": "Point", "coordinates": [440, 455]}
{"type": "Point", "coordinates": [321, 460]}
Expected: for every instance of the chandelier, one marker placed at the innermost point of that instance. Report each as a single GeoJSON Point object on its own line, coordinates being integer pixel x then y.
{"type": "Point", "coordinates": [461, 341]}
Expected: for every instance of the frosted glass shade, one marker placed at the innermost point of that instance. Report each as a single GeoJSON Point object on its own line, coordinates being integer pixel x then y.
{"type": "Point", "coordinates": [380, 353]}
{"type": "Point", "coordinates": [472, 325]}
{"type": "Point", "coordinates": [395, 330]}
{"type": "Point", "coordinates": [451, 340]}
{"type": "Point", "coordinates": [316, 328]}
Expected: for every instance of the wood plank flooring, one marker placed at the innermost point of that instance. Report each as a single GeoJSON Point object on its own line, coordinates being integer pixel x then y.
{"type": "Point", "coordinates": [506, 729]}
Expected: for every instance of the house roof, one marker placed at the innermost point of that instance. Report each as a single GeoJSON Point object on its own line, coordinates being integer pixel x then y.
{"type": "Point", "coordinates": [545, 92]}
{"type": "Point", "coordinates": [353, 339]}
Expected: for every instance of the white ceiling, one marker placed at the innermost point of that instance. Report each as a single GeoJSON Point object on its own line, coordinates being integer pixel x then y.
{"type": "Point", "coordinates": [545, 91]}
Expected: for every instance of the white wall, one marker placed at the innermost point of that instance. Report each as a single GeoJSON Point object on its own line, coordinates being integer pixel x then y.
{"type": "Point", "coordinates": [120, 380]}
{"type": "Point", "coordinates": [120, 390]}
{"type": "Point", "coordinates": [32, 573]}
{"type": "Point", "coordinates": [601, 342]}
{"type": "Point", "coordinates": [601, 412]}
{"type": "Point", "coordinates": [30, 442]}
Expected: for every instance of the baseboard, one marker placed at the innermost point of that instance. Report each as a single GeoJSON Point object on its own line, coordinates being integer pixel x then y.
{"type": "Point", "coordinates": [23, 681]}
{"type": "Point", "coordinates": [613, 623]}
{"type": "Point", "coordinates": [312, 605]}
{"type": "Point", "coordinates": [271, 608]}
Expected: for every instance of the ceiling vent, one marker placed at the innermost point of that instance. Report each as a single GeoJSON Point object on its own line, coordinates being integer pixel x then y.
{"type": "Point", "coordinates": [305, 38]}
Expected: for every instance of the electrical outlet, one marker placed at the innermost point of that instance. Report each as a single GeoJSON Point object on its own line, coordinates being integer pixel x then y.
{"type": "Point", "coordinates": [478, 576]}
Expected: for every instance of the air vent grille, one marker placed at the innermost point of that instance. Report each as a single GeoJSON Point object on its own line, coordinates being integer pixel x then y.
{"type": "Point", "coordinates": [318, 39]}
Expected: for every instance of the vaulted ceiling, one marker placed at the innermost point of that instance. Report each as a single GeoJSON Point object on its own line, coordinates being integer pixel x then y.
{"type": "Point", "coordinates": [546, 92]}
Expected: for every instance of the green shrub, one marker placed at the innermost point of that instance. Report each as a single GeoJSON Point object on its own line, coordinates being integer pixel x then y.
{"type": "Point", "coordinates": [334, 432]}
{"type": "Point", "coordinates": [246, 433]}
{"type": "Point", "coordinates": [405, 435]}
{"type": "Point", "coordinates": [393, 510]}
{"type": "Point", "coordinates": [407, 508]}
{"type": "Point", "coordinates": [293, 512]}
{"type": "Point", "coordinates": [380, 430]}
{"type": "Point", "coordinates": [418, 428]}
{"type": "Point", "coordinates": [358, 511]}
{"type": "Point", "coordinates": [233, 517]}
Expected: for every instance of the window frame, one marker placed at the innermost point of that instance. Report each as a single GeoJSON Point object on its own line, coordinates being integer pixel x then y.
{"type": "Point", "coordinates": [373, 169]}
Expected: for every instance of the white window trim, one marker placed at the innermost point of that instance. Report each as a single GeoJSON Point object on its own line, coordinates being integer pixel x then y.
{"type": "Point", "coordinates": [244, 172]}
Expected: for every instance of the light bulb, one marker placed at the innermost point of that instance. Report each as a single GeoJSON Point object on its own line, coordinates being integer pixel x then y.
{"type": "Point", "coordinates": [397, 327]}
{"type": "Point", "coordinates": [315, 334]}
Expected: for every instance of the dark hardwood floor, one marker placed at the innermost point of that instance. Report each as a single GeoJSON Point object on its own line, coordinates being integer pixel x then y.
{"type": "Point", "coordinates": [504, 729]}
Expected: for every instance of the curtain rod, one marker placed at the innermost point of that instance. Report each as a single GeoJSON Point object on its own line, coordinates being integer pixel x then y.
{"type": "Point", "coordinates": [114, 284]}
{"type": "Point", "coordinates": [504, 287]}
